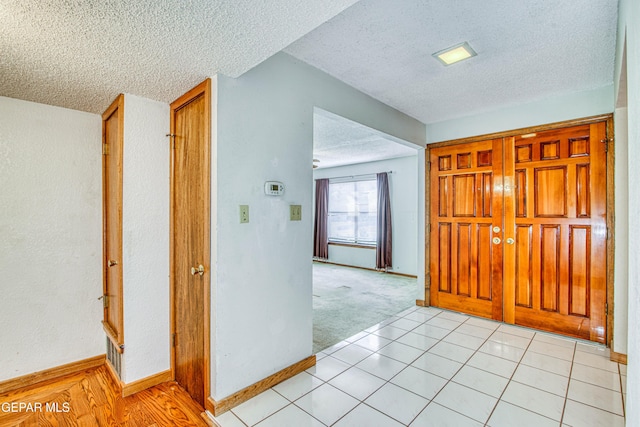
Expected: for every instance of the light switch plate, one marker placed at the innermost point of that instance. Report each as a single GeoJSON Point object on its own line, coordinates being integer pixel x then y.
{"type": "Point", "coordinates": [295, 212]}
{"type": "Point", "coordinates": [244, 214]}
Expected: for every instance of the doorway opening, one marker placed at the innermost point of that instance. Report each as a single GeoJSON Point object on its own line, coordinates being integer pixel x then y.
{"type": "Point", "coordinates": [354, 285]}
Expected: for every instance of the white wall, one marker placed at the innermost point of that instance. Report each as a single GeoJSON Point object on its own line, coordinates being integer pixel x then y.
{"type": "Point", "coordinates": [550, 110]}
{"type": "Point", "coordinates": [629, 25]}
{"type": "Point", "coordinates": [145, 238]}
{"type": "Point", "coordinates": [403, 189]}
{"type": "Point", "coordinates": [422, 236]}
{"type": "Point", "coordinates": [621, 232]}
{"type": "Point", "coordinates": [261, 289]}
{"type": "Point", "coordinates": [51, 244]}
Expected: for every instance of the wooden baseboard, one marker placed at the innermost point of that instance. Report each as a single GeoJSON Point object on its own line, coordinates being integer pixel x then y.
{"type": "Point", "coordinates": [223, 405]}
{"type": "Point", "coordinates": [366, 268]}
{"type": "Point", "coordinates": [208, 420]}
{"type": "Point", "coordinates": [411, 276]}
{"type": "Point", "coordinates": [145, 383]}
{"type": "Point", "coordinates": [618, 357]}
{"type": "Point", "coordinates": [139, 385]}
{"type": "Point", "coordinates": [420, 302]}
{"type": "Point", "coordinates": [51, 374]}
{"type": "Point", "coordinates": [114, 376]}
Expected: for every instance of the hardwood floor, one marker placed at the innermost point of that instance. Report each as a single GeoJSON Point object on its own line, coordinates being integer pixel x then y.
{"type": "Point", "coordinates": [88, 399]}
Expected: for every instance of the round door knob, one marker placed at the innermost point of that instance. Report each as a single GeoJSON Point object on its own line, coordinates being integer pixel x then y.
{"type": "Point", "coordinates": [510, 241]}
{"type": "Point", "coordinates": [496, 240]}
{"type": "Point", "coordinates": [496, 229]}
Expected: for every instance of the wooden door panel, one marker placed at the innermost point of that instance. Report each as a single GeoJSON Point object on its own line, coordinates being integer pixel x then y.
{"type": "Point", "coordinates": [112, 129]}
{"type": "Point", "coordinates": [557, 224]}
{"type": "Point", "coordinates": [484, 251]}
{"type": "Point", "coordinates": [583, 191]}
{"type": "Point", "coordinates": [524, 265]}
{"type": "Point", "coordinates": [190, 239]}
{"type": "Point", "coordinates": [464, 195]}
{"type": "Point", "coordinates": [579, 266]}
{"type": "Point", "coordinates": [550, 191]}
{"type": "Point", "coordinates": [520, 181]}
{"type": "Point", "coordinates": [578, 327]}
{"type": "Point", "coordinates": [463, 214]}
{"type": "Point", "coordinates": [486, 194]}
{"type": "Point", "coordinates": [444, 257]}
{"type": "Point", "coordinates": [549, 266]}
{"type": "Point", "coordinates": [465, 259]}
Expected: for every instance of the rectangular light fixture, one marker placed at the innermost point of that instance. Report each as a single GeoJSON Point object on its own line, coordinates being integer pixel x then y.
{"type": "Point", "coordinates": [454, 54]}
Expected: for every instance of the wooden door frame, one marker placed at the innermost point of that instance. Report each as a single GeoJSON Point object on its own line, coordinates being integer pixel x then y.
{"type": "Point", "coordinates": [205, 89]}
{"type": "Point", "coordinates": [610, 202]}
{"type": "Point", "coordinates": [116, 337]}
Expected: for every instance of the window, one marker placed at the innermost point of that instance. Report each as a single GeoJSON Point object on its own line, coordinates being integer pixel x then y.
{"type": "Point", "coordinates": [353, 212]}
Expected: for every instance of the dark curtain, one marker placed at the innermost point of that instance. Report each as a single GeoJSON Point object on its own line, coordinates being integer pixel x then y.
{"type": "Point", "coordinates": [320, 232]}
{"type": "Point", "coordinates": [383, 244]}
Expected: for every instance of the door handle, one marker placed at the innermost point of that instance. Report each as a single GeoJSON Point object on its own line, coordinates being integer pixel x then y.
{"type": "Point", "coordinates": [197, 270]}
{"type": "Point", "coordinates": [496, 240]}
{"type": "Point", "coordinates": [510, 241]}
{"type": "Point", "coordinates": [112, 262]}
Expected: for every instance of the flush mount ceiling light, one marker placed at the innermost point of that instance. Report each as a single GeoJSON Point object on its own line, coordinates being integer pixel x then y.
{"type": "Point", "coordinates": [454, 54]}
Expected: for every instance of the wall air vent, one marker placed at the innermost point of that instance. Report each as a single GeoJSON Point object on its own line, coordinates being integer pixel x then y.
{"type": "Point", "coordinates": [114, 357]}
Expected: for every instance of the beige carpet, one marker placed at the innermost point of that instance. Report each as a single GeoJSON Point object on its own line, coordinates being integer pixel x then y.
{"type": "Point", "coordinates": [347, 300]}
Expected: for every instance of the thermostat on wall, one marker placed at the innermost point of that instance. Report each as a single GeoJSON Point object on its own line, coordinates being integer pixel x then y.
{"type": "Point", "coordinates": [273, 188]}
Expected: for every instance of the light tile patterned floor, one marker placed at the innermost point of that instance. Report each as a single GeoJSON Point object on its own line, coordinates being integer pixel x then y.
{"type": "Point", "coordinates": [431, 367]}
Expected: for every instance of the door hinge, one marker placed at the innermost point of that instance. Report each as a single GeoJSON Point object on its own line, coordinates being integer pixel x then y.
{"type": "Point", "coordinates": [105, 301]}
{"type": "Point", "coordinates": [105, 149]}
{"type": "Point", "coordinates": [173, 140]}
{"type": "Point", "coordinates": [606, 308]}
{"type": "Point", "coordinates": [606, 142]}
{"type": "Point", "coordinates": [173, 340]}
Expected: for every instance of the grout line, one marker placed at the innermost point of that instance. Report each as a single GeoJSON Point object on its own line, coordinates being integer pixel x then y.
{"type": "Point", "coordinates": [511, 379]}
{"type": "Point", "coordinates": [406, 366]}
{"type": "Point", "coordinates": [624, 409]}
{"type": "Point", "coordinates": [449, 380]}
{"type": "Point", "coordinates": [238, 417]}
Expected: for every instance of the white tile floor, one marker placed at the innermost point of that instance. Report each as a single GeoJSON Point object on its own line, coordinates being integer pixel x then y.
{"type": "Point", "coordinates": [431, 367]}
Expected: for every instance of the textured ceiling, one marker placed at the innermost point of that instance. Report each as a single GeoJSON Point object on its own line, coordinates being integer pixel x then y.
{"type": "Point", "coordinates": [527, 50]}
{"type": "Point", "coordinates": [338, 141]}
{"type": "Point", "coordinates": [81, 53]}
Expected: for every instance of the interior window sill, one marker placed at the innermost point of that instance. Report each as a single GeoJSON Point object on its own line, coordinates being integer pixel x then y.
{"type": "Point", "coordinates": [353, 245]}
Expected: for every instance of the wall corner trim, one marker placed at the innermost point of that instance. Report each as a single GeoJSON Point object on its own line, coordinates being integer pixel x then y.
{"type": "Point", "coordinates": [145, 383]}
{"type": "Point", "coordinates": [421, 303]}
{"type": "Point", "coordinates": [51, 373]}
{"type": "Point", "coordinates": [618, 357]}
{"type": "Point", "coordinates": [223, 405]}
{"type": "Point", "coordinates": [114, 377]}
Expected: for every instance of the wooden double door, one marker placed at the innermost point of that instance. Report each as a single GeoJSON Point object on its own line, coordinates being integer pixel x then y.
{"type": "Point", "coordinates": [518, 229]}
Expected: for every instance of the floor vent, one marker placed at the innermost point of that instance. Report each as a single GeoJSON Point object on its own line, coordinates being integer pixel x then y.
{"type": "Point", "coordinates": [114, 357]}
